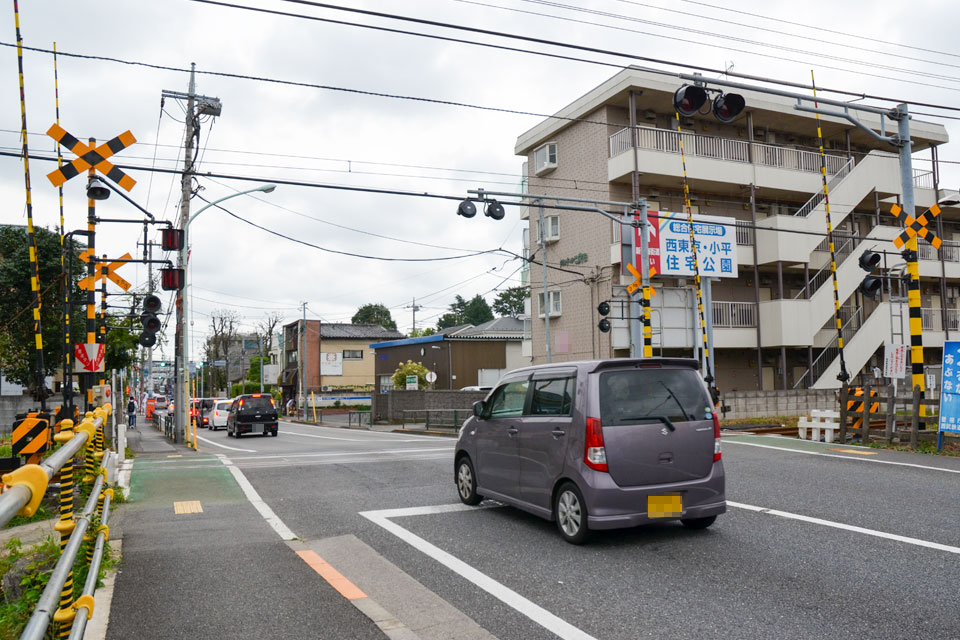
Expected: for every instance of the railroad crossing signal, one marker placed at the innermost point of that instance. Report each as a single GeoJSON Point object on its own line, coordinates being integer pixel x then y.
{"type": "Point", "coordinates": [106, 271]}
{"type": "Point", "coordinates": [915, 227]}
{"type": "Point", "coordinates": [88, 157]}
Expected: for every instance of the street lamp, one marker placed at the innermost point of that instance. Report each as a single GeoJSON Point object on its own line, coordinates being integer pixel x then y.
{"type": "Point", "coordinates": [181, 408]}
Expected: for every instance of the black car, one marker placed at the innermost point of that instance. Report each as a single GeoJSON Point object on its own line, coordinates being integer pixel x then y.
{"type": "Point", "coordinates": [252, 413]}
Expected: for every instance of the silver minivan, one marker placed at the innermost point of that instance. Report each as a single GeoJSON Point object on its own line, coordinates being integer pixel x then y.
{"type": "Point", "coordinates": [599, 444]}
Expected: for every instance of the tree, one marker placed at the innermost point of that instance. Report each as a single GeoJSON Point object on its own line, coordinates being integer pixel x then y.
{"type": "Point", "coordinates": [410, 368]}
{"type": "Point", "coordinates": [473, 311]}
{"type": "Point", "coordinates": [419, 333]}
{"type": "Point", "coordinates": [121, 349]}
{"type": "Point", "coordinates": [17, 337]}
{"type": "Point", "coordinates": [509, 302]}
{"type": "Point", "coordinates": [374, 314]}
{"type": "Point", "coordinates": [265, 329]}
{"type": "Point", "coordinates": [223, 325]}
{"type": "Point", "coordinates": [477, 311]}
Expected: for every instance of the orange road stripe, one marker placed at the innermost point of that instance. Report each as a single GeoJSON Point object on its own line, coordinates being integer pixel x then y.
{"type": "Point", "coordinates": [856, 451]}
{"type": "Point", "coordinates": [346, 588]}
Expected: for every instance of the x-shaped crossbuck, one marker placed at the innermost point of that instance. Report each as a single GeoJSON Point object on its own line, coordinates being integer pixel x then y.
{"type": "Point", "coordinates": [636, 284]}
{"type": "Point", "coordinates": [89, 157]}
{"type": "Point", "coordinates": [916, 227]}
{"type": "Point", "coordinates": [106, 271]}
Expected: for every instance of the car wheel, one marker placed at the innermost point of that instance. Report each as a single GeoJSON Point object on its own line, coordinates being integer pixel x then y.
{"type": "Point", "coordinates": [698, 523]}
{"type": "Point", "coordinates": [274, 433]}
{"type": "Point", "coordinates": [467, 483]}
{"type": "Point", "coordinates": [570, 512]}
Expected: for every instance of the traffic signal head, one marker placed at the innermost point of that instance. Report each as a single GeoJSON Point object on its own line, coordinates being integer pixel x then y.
{"type": "Point", "coordinates": [871, 286]}
{"type": "Point", "coordinates": [151, 323]}
{"type": "Point", "coordinates": [869, 260]}
{"type": "Point", "coordinates": [467, 209]}
{"type": "Point", "coordinates": [603, 309]}
{"type": "Point", "coordinates": [494, 210]}
{"type": "Point", "coordinates": [726, 107]}
{"type": "Point", "coordinates": [688, 99]}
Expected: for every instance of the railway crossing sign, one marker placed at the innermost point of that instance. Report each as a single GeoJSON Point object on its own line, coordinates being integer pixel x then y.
{"type": "Point", "coordinates": [636, 284]}
{"type": "Point", "coordinates": [106, 271]}
{"type": "Point", "coordinates": [91, 158]}
{"type": "Point", "coordinates": [915, 227]}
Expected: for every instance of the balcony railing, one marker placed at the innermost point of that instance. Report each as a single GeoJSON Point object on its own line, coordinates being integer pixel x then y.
{"type": "Point", "coordinates": [745, 233]}
{"type": "Point", "coordinates": [734, 315]}
{"type": "Point", "coordinates": [923, 179]}
{"type": "Point", "coordinates": [729, 149]}
{"type": "Point", "coordinates": [932, 319]}
{"type": "Point", "coordinates": [949, 250]}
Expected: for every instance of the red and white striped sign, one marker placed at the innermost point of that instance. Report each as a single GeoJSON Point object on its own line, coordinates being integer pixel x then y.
{"type": "Point", "coordinates": [88, 358]}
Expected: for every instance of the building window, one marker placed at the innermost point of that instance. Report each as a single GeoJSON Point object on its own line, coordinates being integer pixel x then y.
{"type": "Point", "coordinates": [386, 383]}
{"type": "Point", "coordinates": [291, 357]}
{"type": "Point", "coordinates": [545, 158]}
{"type": "Point", "coordinates": [555, 306]}
{"type": "Point", "coordinates": [551, 228]}
{"type": "Point", "coordinates": [353, 354]}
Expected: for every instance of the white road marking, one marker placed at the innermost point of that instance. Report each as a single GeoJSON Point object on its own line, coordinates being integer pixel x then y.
{"type": "Point", "coordinates": [511, 598]}
{"type": "Point", "coordinates": [847, 527]}
{"type": "Point", "coordinates": [311, 435]}
{"type": "Point", "coordinates": [371, 435]}
{"type": "Point", "coordinates": [833, 455]}
{"type": "Point", "coordinates": [272, 519]}
{"type": "Point", "coordinates": [217, 444]}
{"type": "Point", "coordinates": [329, 454]}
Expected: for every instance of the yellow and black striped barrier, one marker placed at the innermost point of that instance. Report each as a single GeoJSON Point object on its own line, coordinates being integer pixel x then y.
{"type": "Point", "coordinates": [855, 405]}
{"type": "Point", "coordinates": [31, 435]}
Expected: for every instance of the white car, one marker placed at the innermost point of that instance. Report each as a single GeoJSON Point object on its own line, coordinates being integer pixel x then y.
{"type": "Point", "coordinates": [218, 417]}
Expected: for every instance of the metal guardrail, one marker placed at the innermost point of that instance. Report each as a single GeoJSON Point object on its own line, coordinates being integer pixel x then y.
{"type": "Point", "coordinates": [359, 418]}
{"type": "Point", "coordinates": [27, 486]}
{"type": "Point", "coordinates": [435, 417]}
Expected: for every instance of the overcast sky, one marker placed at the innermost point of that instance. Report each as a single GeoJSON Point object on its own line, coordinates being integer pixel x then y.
{"type": "Point", "coordinates": [327, 136]}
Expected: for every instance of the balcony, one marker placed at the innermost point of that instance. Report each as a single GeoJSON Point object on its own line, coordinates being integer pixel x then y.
{"type": "Point", "coordinates": [734, 315]}
{"type": "Point", "coordinates": [721, 159]}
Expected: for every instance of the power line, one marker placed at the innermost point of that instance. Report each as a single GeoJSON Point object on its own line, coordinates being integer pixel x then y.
{"type": "Point", "coordinates": [710, 34]}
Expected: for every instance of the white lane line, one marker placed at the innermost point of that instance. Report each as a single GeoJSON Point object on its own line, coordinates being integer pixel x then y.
{"type": "Point", "coordinates": [217, 444]}
{"type": "Point", "coordinates": [345, 453]}
{"type": "Point", "coordinates": [311, 435]}
{"type": "Point", "coordinates": [272, 519]}
{"type": "Point", "coordinates": [511, 598]}
{"type": "Point", "coordinates": [833, 455]}
{"type": "Point", "coordinates": [848, 527]}
{"type": "Point", "coordinates": [371, 435]}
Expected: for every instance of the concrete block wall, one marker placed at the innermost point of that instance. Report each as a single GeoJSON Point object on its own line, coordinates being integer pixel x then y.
{"type": "Point", "coordinates": [390, 406]}
{"type": "Point", "coordinates": [10, 406]}
{"type": "Point", "coordinates": [793, 402]}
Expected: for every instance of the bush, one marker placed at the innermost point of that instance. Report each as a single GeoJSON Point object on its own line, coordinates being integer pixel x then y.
{"type": "Point", "coordinates": [410, 368]}
{"type": "Point", "coordinates": [249, 387]}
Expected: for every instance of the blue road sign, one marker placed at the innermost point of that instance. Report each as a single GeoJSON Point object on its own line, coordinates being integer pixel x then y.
{"type": "Point", "coordinates": [950, 388]}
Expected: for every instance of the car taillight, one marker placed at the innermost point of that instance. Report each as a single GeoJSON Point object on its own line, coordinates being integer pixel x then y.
{"type": "Point", "coordinates": [594, 455]}
{"type": "Point", "coordinates": [241, 405]}
{"type": "Point", "coordinates": [206, 420]}
{"type": "Point", "coordinates": [216, 414]}
{"type": "Point", "coordinates": [717, 454]}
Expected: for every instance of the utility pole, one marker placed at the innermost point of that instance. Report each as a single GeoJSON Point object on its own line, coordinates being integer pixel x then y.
{"type": "Point", "coordinates": [415, 308]}
{"type": "Point", "coordinates": [197, 105]}
{"type": "Point", "coordinates": [301, 359]}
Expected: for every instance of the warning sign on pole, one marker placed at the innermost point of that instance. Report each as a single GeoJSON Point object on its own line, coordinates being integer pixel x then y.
{"type": "Point", "coordinates": [895, 361]}
{"type": "Point", "coordinates": [88, 358]}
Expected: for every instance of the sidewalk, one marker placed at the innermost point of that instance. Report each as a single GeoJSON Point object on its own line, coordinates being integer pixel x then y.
{"type": "Point", "coordinates": [200, 562]}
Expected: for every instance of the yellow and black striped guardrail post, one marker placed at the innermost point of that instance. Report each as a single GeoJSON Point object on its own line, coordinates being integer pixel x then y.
{"type": "Point", "coordinates": [87, 426]}
{"type": "Point", "coordinates": [67, 523]}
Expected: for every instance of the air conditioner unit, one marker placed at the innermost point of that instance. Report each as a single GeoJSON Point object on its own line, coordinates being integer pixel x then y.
{"type": "Point", "coordinates": [649, 115]}
{"type": "Point", "coordinates": [326, 389]}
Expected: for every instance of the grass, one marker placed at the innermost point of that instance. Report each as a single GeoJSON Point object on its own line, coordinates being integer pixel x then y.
{"type": "Point", "coordinates": [42, 557]}
{"type": "Point", "coordinates": [786, 421]}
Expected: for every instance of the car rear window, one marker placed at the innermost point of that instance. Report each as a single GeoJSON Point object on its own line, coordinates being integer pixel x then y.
{"type": "Point", "coordinates": [223, 406]}
{"type": "Point", "coordinates": [254, 403]}
{"type": "Point", "coordinates": [637, 395]}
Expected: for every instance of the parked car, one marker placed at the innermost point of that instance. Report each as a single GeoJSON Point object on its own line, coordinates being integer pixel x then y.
{"type": "Point", "coordinates": [218, 417]}
{"type": "Point", "coordinates": [475, 388]}
{"type": "Point", "coordinates": [252, 413]}
{"type": "Point", "coordinates": [206, 407]}
{"type": "Point", "coordinates": [599, 444]}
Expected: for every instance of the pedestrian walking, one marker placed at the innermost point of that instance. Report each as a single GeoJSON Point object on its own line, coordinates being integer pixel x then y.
{"type": "Point", "coordinates": [291, 403]}
{"type": "Point", "coordinates": [132, 413]}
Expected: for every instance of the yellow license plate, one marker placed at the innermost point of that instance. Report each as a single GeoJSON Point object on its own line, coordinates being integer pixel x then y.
{"type": "Point", "coordinates": [669, 506]}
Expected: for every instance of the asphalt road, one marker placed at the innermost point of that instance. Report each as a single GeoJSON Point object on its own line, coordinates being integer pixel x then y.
{"type": "Point", "coordinates": [766, 569]}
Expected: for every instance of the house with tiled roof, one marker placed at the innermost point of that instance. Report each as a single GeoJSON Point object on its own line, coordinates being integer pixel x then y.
{"type": "Point", "coordinates": [331, 356]}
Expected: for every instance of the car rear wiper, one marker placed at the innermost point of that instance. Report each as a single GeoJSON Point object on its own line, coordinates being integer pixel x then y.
{"type": "Point", "coordinates": [683, 411]}
{"type": "Point", "coordinates": [664, 419]}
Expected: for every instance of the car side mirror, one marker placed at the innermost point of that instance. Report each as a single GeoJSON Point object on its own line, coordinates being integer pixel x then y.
{"type": "Point", "coordinates": [479, 408]}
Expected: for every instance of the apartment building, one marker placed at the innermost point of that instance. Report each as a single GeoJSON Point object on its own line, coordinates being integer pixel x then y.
{"type": "Point", "coordinates": [773, 324]}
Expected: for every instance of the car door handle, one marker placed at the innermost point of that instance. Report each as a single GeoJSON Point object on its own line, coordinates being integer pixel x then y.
{"type": "Point", "coordinates": [558, 432]}
{"type": "Point", "coordinates": [513, 431]}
